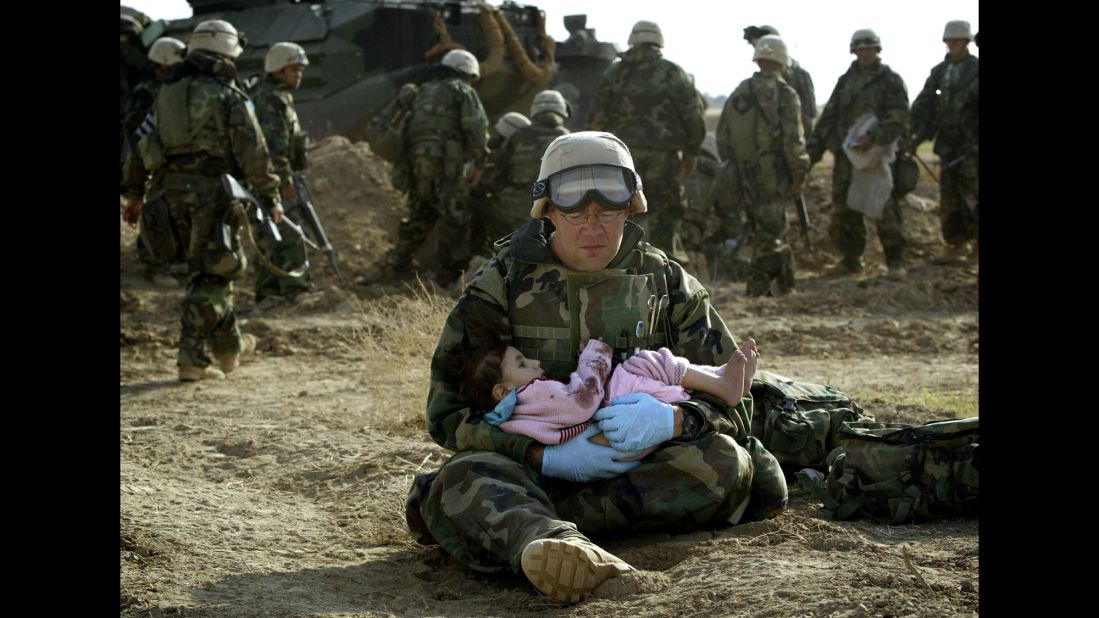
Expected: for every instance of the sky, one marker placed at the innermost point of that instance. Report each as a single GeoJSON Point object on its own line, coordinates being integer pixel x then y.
{"type": "Point", "coordinates": [705, 37]}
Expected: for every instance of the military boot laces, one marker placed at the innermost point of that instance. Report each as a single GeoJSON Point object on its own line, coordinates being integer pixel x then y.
{"type": "Point", "coordinates": [230, 362]}
{"type": "Point", "coordinates": [191, 373]}
{"type": "Point", "coordinates": [568, 569]}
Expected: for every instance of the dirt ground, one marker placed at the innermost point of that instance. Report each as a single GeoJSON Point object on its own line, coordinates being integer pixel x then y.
{"type": "Point", "coordinates": [279, 491]}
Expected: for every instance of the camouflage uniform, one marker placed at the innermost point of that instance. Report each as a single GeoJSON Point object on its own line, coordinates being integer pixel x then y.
{"type": "Point", "coordinates": [651, 104]}
{"type": "Point", "coordinates": [446, 131]}
{"type": "Point", "coordinates": [138, 107]}
{"type": "Point", "coordinates": [514, 168]}
{"type": "Point", "coordinates": [761, 133]}
{"type": "Point", "coordinates": [205, 126]}
{"type": "Point", "coordinates": [799, 79]}
{"type": "Point", "coordinates": [485, 505]}
{"type": "Point", "coordinates": [285, 139]}
{"type": "Point", "coordinates": [879, 90]}
{"type": "Point", "coordinates": [949, 104]}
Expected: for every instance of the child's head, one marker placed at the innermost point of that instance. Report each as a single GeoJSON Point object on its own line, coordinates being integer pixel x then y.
{"type": "Point", "coordinates": [490, 370]}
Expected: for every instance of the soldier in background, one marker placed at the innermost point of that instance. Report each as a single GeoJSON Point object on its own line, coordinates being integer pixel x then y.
{"type": "Point", "coordinates": [485, 198]}
{"type": "Point", "coordinates": [518, 161]}
{"type": "Point", "coordinates": [134, 68]}
{"type": "Point", "coordinates": [760, 132]}
{"type": "Point", "coordinates": [284, 65]}
{"type": "Point", "coordinates": [202, 127]}
{"type": "Point", "coordinates": [165, 53]}
{"type": "Point", "coordinates": [446, 150]}
{"type": "Point", "coordinates": [651, 104]}
{"type": "Point", "coordinates": [797, 77]}
{"type": "Point", "coordinates": [867, 86]}
{"type": "Point", "coordinates": [946, 110]}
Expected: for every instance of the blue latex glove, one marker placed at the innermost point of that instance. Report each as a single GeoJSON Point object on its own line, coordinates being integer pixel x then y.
{"type": "Point", "coordinates": [581, 460]}
{"type": "Point", "coordinates": [636, 421]}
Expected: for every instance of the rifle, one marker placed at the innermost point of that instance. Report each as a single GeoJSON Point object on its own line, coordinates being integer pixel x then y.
{"type": "Point", "coordinates": [309, 214]}
{"type": "Point", "coordinates": [803, 217]}
{"type": "Point", "coordinates": [265, 223]}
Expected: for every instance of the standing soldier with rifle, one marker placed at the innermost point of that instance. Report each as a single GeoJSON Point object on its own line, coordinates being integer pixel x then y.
{"type": "Point", "coordinates": [761, 132]}
{"type": "Point", "coordinates": [946, 111]}
{"type": "Point", "coordinates": [202, 127]}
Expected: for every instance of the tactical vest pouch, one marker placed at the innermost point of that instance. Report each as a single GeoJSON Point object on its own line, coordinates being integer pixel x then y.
{"type": "Point", "coordinates": [159, 233]}
{"type": "Point", "coordinates": [216, 248]}
{"type": "Point", "coordinates": [799, 422]}
{"type": "Point", "coordinates": [152, 152]}
{"type": "Point", "coordinates": [385, 133]}
{"type": "Point", "coordinates": [898, 473]}
{"type": "Point", "coordinates": [906, 173]}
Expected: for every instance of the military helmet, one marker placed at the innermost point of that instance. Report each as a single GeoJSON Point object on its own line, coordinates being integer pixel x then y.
{"type": "Point", "coordinates": [865, 38]}
{"type": "Point", "coordinates": [578, 165]}
{"type": "Point", "coordinates": [283, 55]}
{"type": "Point", "coordinates": [771, 47]}
{"type": "Point", "coordinates": [646, 32]}
{"type": "Point", "coordinates": [511, 122]}
{"type": "Point", "coordinates": [129, 25]}
{"type": "Point", "coordinates": [218, 36]}
{"type": "Point", "coordinates": [166, 51]}
{"type": "Point", "coordinates": [549, 101]}
{"type": "Point", "coordinates": [462, 61]}
{"type": "Point", "coordinates": [958, 29]}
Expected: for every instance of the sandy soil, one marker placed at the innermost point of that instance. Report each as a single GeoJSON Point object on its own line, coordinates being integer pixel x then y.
{"type": "Point", "coordinates": [280, 491]}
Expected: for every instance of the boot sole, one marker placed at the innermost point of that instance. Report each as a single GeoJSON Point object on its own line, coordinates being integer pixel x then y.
{"type": "Point", "coordinates": [564, 571]}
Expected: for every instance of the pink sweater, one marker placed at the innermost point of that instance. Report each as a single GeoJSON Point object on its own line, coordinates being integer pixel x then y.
{"type": "Point", "coordinates": [552, 412]}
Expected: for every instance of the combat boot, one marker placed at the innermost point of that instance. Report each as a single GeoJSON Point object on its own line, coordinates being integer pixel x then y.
{"type": "Point", "coordinates": [190, 373]}
{"type": "Point", "coordinates": [230, 362]}
{"type": "Point", "coordinates": [568, 569]}
{"type": "Point", "coordinates": [953, 254]}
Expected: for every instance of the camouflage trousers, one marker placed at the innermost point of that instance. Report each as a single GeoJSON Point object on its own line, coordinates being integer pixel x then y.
{"type": "Point", "coordinates": [287, 254]}
{"type": "Point", "coordinates": [208, 318]}
{"type": "Point", "coordinates": [958, 198]}
{"type": "Point", "coordinates": [848, 227]}
{"type": "Point", "coordinates": [484, 508]}
{"type": "Point", "coordinates": [437, 200]}
{"type": "Point", "coordinates": [666, 197]}
{"type": "Point", "coordinates": [772, 256]}
{"type": "Point", "coordinates": [151, 265]}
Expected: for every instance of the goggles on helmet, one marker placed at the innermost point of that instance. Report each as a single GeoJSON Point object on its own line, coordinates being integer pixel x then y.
{"type": "Point", "coordinates": [569, 189]}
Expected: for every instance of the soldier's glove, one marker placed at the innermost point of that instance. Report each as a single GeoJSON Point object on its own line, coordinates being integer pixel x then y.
{"type": "Point", "coordinates": [581, 460]}
{"type": "Point", "coordinates": [636, 421]}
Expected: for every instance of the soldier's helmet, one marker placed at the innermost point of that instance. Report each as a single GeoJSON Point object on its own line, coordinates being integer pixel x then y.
{"type": "Point", "coordinates": [511, 122]}
{"type": "Point", "coordinates": [646, 32]}
{"type": "Point", "coordinates": [166, 51]}
{"type": "Point", "coordinates": [218, 36]}
{"type": "Point", "coordinates": [587, 165]}
{"type": "Point", "coordinates": [462, 61]}
{"type": "Point", "coordinates": [771, 47]}
{"type": "Point", "coordinates": [129, 25]}
{"type": "Point", "coordinates": [865, 38]}
{"type": "Point", "coordinates": [549, 101]}
{"type": "Point", "coordinates": [282, 55]}
{"type": "Point", "coordinates": [958, 29]}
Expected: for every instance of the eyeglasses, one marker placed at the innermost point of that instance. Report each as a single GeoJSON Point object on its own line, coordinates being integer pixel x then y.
{"type": "Point", "coordinates": [603, 217]}
{"type": "Point", "coordinates": [569, 189]}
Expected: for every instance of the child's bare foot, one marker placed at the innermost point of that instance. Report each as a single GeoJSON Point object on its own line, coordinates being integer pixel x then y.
{"type": "Point", "coordinates": [752, 353]}
{"type": "Point", "coordinates": [732, 378]}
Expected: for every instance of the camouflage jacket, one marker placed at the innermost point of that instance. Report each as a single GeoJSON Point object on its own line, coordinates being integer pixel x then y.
{"type": "Point", "coordinates": [949, 103]}
{"type": "Point", "coordinates": [648, 102]}
{"type": "Point", "coordinates": [802, 83]}
{"type": "Point", "coordinates": [520, 157]}
{"type": "Point", "coordinates": [760, 130]}
{"type": "Point", "coordinates": [285, 138]}
{"type": "Point", "coordinates": [139, 105]}
{"type": "Point", "coordinates": [447, 109]}
{"type": "Point", "coordinates": [876, 89]}
{"type": "Point", "coordinates": [527, 297]}
{"type": "Point", "coordinates": [206, 125]}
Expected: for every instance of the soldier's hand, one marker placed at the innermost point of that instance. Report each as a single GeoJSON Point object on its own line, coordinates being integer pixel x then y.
{"type": "Point", "coordinates": [276, 213]}
{"type": "Point", "coordinates": [580, 460]}
{"type": "Point", "coordinates": [133, 212]}
{"type": "Point", "coordinates": [687, 165]}
{"type": "Point", "coordinates": [289, 193]}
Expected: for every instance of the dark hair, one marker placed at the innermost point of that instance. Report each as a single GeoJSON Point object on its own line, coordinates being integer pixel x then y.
{"type": "Point", "coordinates": [479, 367]}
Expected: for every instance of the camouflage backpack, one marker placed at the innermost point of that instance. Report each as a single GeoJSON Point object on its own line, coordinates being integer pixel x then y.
{"type": "Point", "coordinates": [386, 132]}
{"type": "Point", "coordinates": [897, 473]}
{"type": "Point", "coordinates": [799, 421]}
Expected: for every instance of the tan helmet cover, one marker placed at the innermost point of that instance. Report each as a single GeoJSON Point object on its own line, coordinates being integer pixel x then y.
{"type": "Point", "coordinates": [130, 25]}
{"type": "Point", "coordinates": [282, 55]}
{"type": "Point", "coordinates": [646, 32]}
{"type": "Point", "coordinates": [166, 51]}
{"type": "Point", "coordinates": [585, 148]}
{"type": "Point", "coordinates": [771, 47]}
{"type": "Point", "coordinates": [958, 29]}
{"type": "Point", "coordinates": [860, 38]}
{"type": "Point", "coordinates": [511, 122]}
{"type": "Point", "coordinates": [218, 36]}
{"type": "Point", "coordinates": [549, 101]}
{"type": "Point", "coordinates": [462, 61]}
